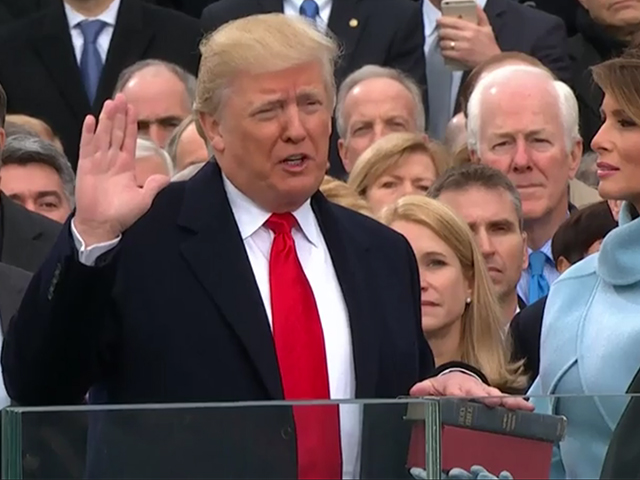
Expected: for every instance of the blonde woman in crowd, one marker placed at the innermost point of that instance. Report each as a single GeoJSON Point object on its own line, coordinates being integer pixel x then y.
{"type": "Point", "coordinates": [398, 164]}
{"type": "Point", "coordinates": [340, 193]}
{"type": "Point", "coordinates": [461, 318]}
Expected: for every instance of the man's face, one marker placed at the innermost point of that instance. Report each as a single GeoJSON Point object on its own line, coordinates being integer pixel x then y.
{"type": "Point", "coordinates": [160, 101]}
{"type": "Point", "coordinates": [271, 137]}
{"type": "Point", "coordinates": [614, 13]}
{"type": "Point", "coordinates": [373, 109]}
{"type": "Point", "coordinates": [492, 217]}
{"type": "Point", "coordinates": [38, 188]}
{"type": "Point", "coordinates": [191, 149]}
{"type": "Point", "coordinates": [522, 135]}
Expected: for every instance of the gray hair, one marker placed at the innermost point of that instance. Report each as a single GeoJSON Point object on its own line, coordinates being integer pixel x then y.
{"type": "Point", "coordinates": [174, 139]}
{"type": "Point", "coordinates": [470, 175]}
{"type": "Point", "coordinates": [586, 172]}
{"type": "Point", "coordinates": [188, 172]}
{"type": "Point", "coordinates": [375, 71]}
{"type": "Point", "coordinates": [147, 148]}
{"type": "Point", "coordinates": [28, 149]}
{"type": "Point", "coordinates": [567, 102]}
{"type": "Point", "coordinates": [188, 80]}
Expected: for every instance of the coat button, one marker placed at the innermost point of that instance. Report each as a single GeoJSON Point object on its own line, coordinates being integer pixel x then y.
{"type": "Point", "coordinates": [286, 432]}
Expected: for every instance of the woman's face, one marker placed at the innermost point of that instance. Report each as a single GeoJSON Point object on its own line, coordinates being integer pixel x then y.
{"type": "Point", "coordinates": [413, 175]}
{"type": "Point", "coordinates": [617, 144]}
{"type": "Point", "coordinates": [443, 286]}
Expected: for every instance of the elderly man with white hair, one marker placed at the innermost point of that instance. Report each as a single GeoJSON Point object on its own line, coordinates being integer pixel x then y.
{"type": "Point", "coordinates": [524, 123]}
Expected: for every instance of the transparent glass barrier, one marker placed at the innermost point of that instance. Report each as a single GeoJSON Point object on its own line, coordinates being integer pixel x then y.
{"type": "Point", "coordinates": [238, 440]}
{"type": "Point", "coordinates": [566, 437]}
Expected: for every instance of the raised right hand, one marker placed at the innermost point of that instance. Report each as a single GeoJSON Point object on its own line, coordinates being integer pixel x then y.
{"type": "Point", "coordinates": [108, 199]}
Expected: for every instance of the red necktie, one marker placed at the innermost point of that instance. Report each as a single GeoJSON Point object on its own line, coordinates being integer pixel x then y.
{"type": "Point", "coordinates": [299, 342]}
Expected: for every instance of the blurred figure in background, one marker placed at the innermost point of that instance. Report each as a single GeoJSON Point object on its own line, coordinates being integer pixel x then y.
{"type": "Point", "coordinates": [162, 94]}
{"type": "Point", "coordinates": [63, 62]}
{"type": "Point", "coordinates": [605, 28]}
{"type": "Point", "coordinates": [524, 123]}
{"type": "Point", "coordinates": [588, 172]}
{"type": "Point", "coordinates": [39, 127]}
{"type": "Point", "coordinates": [151, 160]}
{"type": "Point", "coordinates": [186, 146]}
{"type": "Point", "coordinates": [578, 237]}
{"type": "Point", "coordinates": [461, 318]}
{"type": "Point", "coordinates": [490, 204]}
{"type": "Point", "coordinates": [339, 192]}
{"type": "Point", "coordinates": [398, 164]}
{"type": "Point", "coordinates": [372, 102]}
{"type": "Point", "coordinates": [35, 174]}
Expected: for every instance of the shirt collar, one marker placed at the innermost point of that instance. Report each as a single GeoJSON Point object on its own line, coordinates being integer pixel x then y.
{"type": "Point", "coordinates": [321, 4]}
{"type": "Point", "coordinates": [432, 14]}
{"type": "Point", "coordinates": [109, 16]}
{"type": "Point", "coordinates": [250, 217]}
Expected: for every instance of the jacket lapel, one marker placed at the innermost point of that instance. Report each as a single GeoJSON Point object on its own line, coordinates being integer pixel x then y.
{"type": "Point", "coordinates": [216, 255]}
{"type": "Point", "coordinates": [349, 254]}
{"type": "Point", "coordinates": [55, 49]}
{"type": "Point", "coordinates": [346, 22]}
{"type": "Point", "coordinates": [130, 39]}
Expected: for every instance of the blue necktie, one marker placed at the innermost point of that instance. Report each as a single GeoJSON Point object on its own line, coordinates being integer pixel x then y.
{"type": "Point", "coordinates": [90, 60]}
{"type": "Point", "coordinates": [309, 9]}
{"type": "Point", "coordinates": [538, 285]}
{"type": "Point", "coordinates": [439, 80]}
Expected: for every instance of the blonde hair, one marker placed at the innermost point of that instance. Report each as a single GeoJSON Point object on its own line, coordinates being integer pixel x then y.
{"type": "Point", "coordinates": [38, 126]}
{"type": "Point", "coordinates": [386, 154]}
{"type": "Point", "coordinates": [258, 44]}
{"type": "Point", "coordinates": [483, 343]}
{"type": "Point", "coordinates": [342, 194]}
{"type": "Point", "coordinates": [620, 78]}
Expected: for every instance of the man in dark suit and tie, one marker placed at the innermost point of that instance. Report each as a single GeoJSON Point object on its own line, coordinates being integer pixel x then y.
{"type": "Point", "coordinates": [62, 63]}
{"type": "Point", "coordinates": [371, 32]}
{"type": "Point", "coordinates": [243, 283]}
{"type": "Point", "coordinates": [503, 26]}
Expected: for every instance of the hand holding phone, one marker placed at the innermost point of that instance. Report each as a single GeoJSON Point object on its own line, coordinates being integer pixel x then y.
{"type": "Point", "coordinates": [465, 35]}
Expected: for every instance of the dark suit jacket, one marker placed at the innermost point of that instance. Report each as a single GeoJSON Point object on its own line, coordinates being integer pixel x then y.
{"type": "Point", "coordinates": [39, 70]}
{"type": "Point", "coordinates": [388, 33]}
{"type": "Point", "coordinates": [193, 8]}
{"type": "Point", "coordinates": [621, 461]}
{"type": "Point", "coordinates": [175, 315]}
{"type": "Point", "coordinates": [13, 283]}
{"type": "Point", "coordinates": [27, 237]}
{"type": "Point", "coordinates": [591, 46]}
{"type": "Point", "coordinates": [519, 28]}
{"type": "Point", "coordinates": [525, 331]}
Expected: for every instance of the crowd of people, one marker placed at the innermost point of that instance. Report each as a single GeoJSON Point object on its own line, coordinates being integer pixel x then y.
{"type": "Point", "coordinates": [303, 199]}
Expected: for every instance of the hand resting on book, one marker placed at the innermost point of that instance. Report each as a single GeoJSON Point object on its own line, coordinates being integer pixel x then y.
{"type": "Point", "coordinates": [476, 472]}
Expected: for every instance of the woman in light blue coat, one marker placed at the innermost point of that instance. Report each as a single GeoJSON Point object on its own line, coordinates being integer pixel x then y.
{"type": "Point", "coordinates": [591, 330]}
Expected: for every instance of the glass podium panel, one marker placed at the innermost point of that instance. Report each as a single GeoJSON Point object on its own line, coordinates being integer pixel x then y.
{"type": "Point", "coordinates": [234, 440]}
{"type": "Point", "coordinates": [576, 437]}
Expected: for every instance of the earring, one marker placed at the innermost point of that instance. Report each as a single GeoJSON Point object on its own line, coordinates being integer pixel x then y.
{"type": "Point", "coordinates": [468, 300]}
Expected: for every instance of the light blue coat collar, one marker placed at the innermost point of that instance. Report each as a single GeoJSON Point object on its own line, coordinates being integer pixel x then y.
{"type": "Point", "coordinates": [619, 258]}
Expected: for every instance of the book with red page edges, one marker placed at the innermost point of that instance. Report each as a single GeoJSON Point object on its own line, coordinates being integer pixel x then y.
{"type": "Point", "coordinates": [497, 439]}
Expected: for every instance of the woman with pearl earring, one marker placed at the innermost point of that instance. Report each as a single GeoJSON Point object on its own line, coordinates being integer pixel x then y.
{"type": "Point", "coordinates": [461, 317]}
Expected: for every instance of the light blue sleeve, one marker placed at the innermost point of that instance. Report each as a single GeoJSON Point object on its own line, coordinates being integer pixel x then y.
{"type": "Point", "coordinates": [542, 404]}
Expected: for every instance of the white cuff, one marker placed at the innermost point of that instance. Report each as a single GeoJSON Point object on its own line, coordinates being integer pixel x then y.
{"type": "Point", "coordinates": [461, 370]}
{"type": "Point", "coordinates": [88, 256]}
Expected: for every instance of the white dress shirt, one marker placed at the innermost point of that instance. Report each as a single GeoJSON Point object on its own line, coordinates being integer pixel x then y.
{"type": "Point", "coordinates": [431, 15]}
{"type": "Point", "coordinates": [317, 265]}
{"type": "Point", "coordinates": [292, 7]}
{"type": "Point", "coordinates": [104, 39]}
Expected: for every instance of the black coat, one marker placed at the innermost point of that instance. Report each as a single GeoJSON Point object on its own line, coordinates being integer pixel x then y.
{"type": "Point", "coordinates": [174, 315]}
